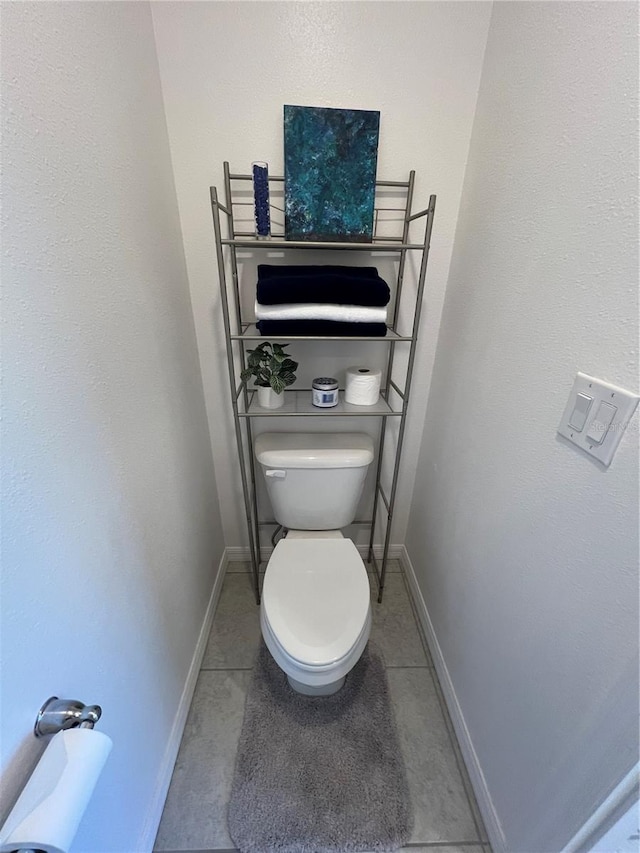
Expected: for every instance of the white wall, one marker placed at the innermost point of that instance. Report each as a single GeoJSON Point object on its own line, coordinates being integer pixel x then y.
{"type": "Point", "coordinates": [228, 68]}
{"type": "Point", "coordinates": [111, 529]}
{"type": "Point", "coordinates": [526, 551]}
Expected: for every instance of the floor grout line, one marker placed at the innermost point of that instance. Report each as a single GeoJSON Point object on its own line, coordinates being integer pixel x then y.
{"type": "Point", "coordinates": [250, 668]}
{"type": "Point", "coordinates": [226, 668]}
{"type": "Point", "coordinates": [202, 850]}
{"type": "Point", "coordinates": [436, 844]}
{"type": "Point", "coordinates": [411, 846]}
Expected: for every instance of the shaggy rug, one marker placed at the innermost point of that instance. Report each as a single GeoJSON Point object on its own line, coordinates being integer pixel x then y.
{"type": "Point", "coordinates": [322, 774]}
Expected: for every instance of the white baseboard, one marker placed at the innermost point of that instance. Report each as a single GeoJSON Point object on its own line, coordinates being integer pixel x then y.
{"type": "Point", "coordinates": [478, 782]}
{"type": "Point", "coordinates": [154, 814]}
{"type": "Point", "coordinates": [240, 554]}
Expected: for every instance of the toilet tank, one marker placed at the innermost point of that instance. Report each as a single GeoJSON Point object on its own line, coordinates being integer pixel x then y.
{"type": "Point", "coordinates": [314, 480]}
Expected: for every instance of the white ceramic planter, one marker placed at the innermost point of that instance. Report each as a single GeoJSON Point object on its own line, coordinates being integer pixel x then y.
{"type": "Point", "coordinates": [268, 399]}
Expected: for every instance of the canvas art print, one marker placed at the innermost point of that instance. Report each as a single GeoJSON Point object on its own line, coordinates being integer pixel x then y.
{"type": "Point", "coordinates": [330, 160]}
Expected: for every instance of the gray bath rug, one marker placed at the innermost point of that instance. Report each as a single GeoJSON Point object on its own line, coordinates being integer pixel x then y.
{"type": "Point", "coordinates": [323, 774]}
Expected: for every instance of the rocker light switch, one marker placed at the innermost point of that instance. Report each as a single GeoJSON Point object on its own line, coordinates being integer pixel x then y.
{"type": "Point", "coordinates": [580, 412]}
{"type": "Point", "coordinates": [601, 423]}
{"type": "Point", "coordinates": [596, 416]}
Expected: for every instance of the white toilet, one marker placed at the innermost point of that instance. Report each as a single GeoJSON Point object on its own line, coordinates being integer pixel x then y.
{"type": "Point", "coordinates": [315, 613]}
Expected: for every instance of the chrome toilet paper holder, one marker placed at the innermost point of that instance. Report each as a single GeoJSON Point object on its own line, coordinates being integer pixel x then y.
{"type": "Point", "coordinates": [57, 715]}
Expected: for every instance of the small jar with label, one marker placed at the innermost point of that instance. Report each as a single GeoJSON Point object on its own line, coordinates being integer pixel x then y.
{"type": "Point", "coordinates": [324, 392]}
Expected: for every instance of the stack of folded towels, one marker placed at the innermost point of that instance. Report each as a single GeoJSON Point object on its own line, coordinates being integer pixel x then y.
{"type": "Point", "coordinates": [321, 300]}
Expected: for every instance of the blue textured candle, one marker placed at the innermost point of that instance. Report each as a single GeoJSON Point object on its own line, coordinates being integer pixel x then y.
{"type": "Point", "coordinates": [261, 198]}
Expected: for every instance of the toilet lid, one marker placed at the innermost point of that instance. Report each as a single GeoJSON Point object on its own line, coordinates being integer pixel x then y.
{"type": "Point", "coordinates": [316, 598]}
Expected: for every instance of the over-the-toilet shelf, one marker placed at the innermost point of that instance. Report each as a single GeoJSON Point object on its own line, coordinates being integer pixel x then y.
{"type": "Point", "coordinates": [231, 223]}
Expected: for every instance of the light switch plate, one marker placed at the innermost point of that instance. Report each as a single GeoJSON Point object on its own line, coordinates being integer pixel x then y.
{"type": "Point", "coordinates": [624, 402]}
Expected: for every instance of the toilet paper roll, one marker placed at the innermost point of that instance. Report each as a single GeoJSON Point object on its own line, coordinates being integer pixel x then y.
{"type": "Point", "coordinates": [362, 386]}
{"type": "Point", "coordinates": [49, 809]}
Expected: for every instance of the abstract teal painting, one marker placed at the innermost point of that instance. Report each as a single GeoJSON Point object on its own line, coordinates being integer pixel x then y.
{"type": "Point", "coordinates": [330, 159]}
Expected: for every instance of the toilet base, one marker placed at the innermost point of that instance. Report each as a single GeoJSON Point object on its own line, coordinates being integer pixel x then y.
{"type": "Point", "coordinates": [320, 690]}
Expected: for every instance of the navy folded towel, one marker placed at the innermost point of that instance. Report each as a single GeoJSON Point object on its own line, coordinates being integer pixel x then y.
{"type": "Point", "coordinates": [336, 285]}
{"type": "Point", "coordinates": [328, 328]}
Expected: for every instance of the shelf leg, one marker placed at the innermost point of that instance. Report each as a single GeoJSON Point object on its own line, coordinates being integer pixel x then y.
{"type": "Point", "coordinates": [383, 427]}
{"type": "Point", "coordinates": [215, 212]}
{"type": "Point", "coordinates": [254, 502]}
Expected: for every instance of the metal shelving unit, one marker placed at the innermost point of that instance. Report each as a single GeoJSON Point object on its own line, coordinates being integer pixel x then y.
{"type": "Point", "coordinates": [393, 402]}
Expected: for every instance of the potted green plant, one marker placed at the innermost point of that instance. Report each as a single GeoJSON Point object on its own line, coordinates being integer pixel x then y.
{"type": "Point", "coordinates": [273, 371]}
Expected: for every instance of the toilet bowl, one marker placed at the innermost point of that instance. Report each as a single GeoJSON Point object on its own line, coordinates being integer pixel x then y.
{"type": "Point", "coordinates": [315, 613]}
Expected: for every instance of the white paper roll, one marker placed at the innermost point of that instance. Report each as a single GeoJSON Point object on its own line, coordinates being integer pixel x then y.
{"type": "Point", "coordinates": [50, 807]}
{"type": "Point", "coordinates": [362, 386]}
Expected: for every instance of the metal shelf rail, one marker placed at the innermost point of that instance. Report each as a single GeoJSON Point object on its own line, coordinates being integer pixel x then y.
{"type": "Point", "coordinates": [297, 403]}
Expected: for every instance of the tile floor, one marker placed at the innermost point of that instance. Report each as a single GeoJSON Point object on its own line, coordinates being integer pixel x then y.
{"type": "Point", "coordinates": [194, 818]}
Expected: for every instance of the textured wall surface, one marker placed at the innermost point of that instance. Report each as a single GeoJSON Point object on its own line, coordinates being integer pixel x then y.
{"type": "Point", "coordinates": [527, 550]}
{"type": "Point", "coordinates": [111, 528]}
{"type": "Point", "coordinates": [228, 68]}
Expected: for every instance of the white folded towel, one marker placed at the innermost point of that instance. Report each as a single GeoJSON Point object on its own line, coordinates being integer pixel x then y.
{"type": "Point", "coordinates": [321, 311]}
